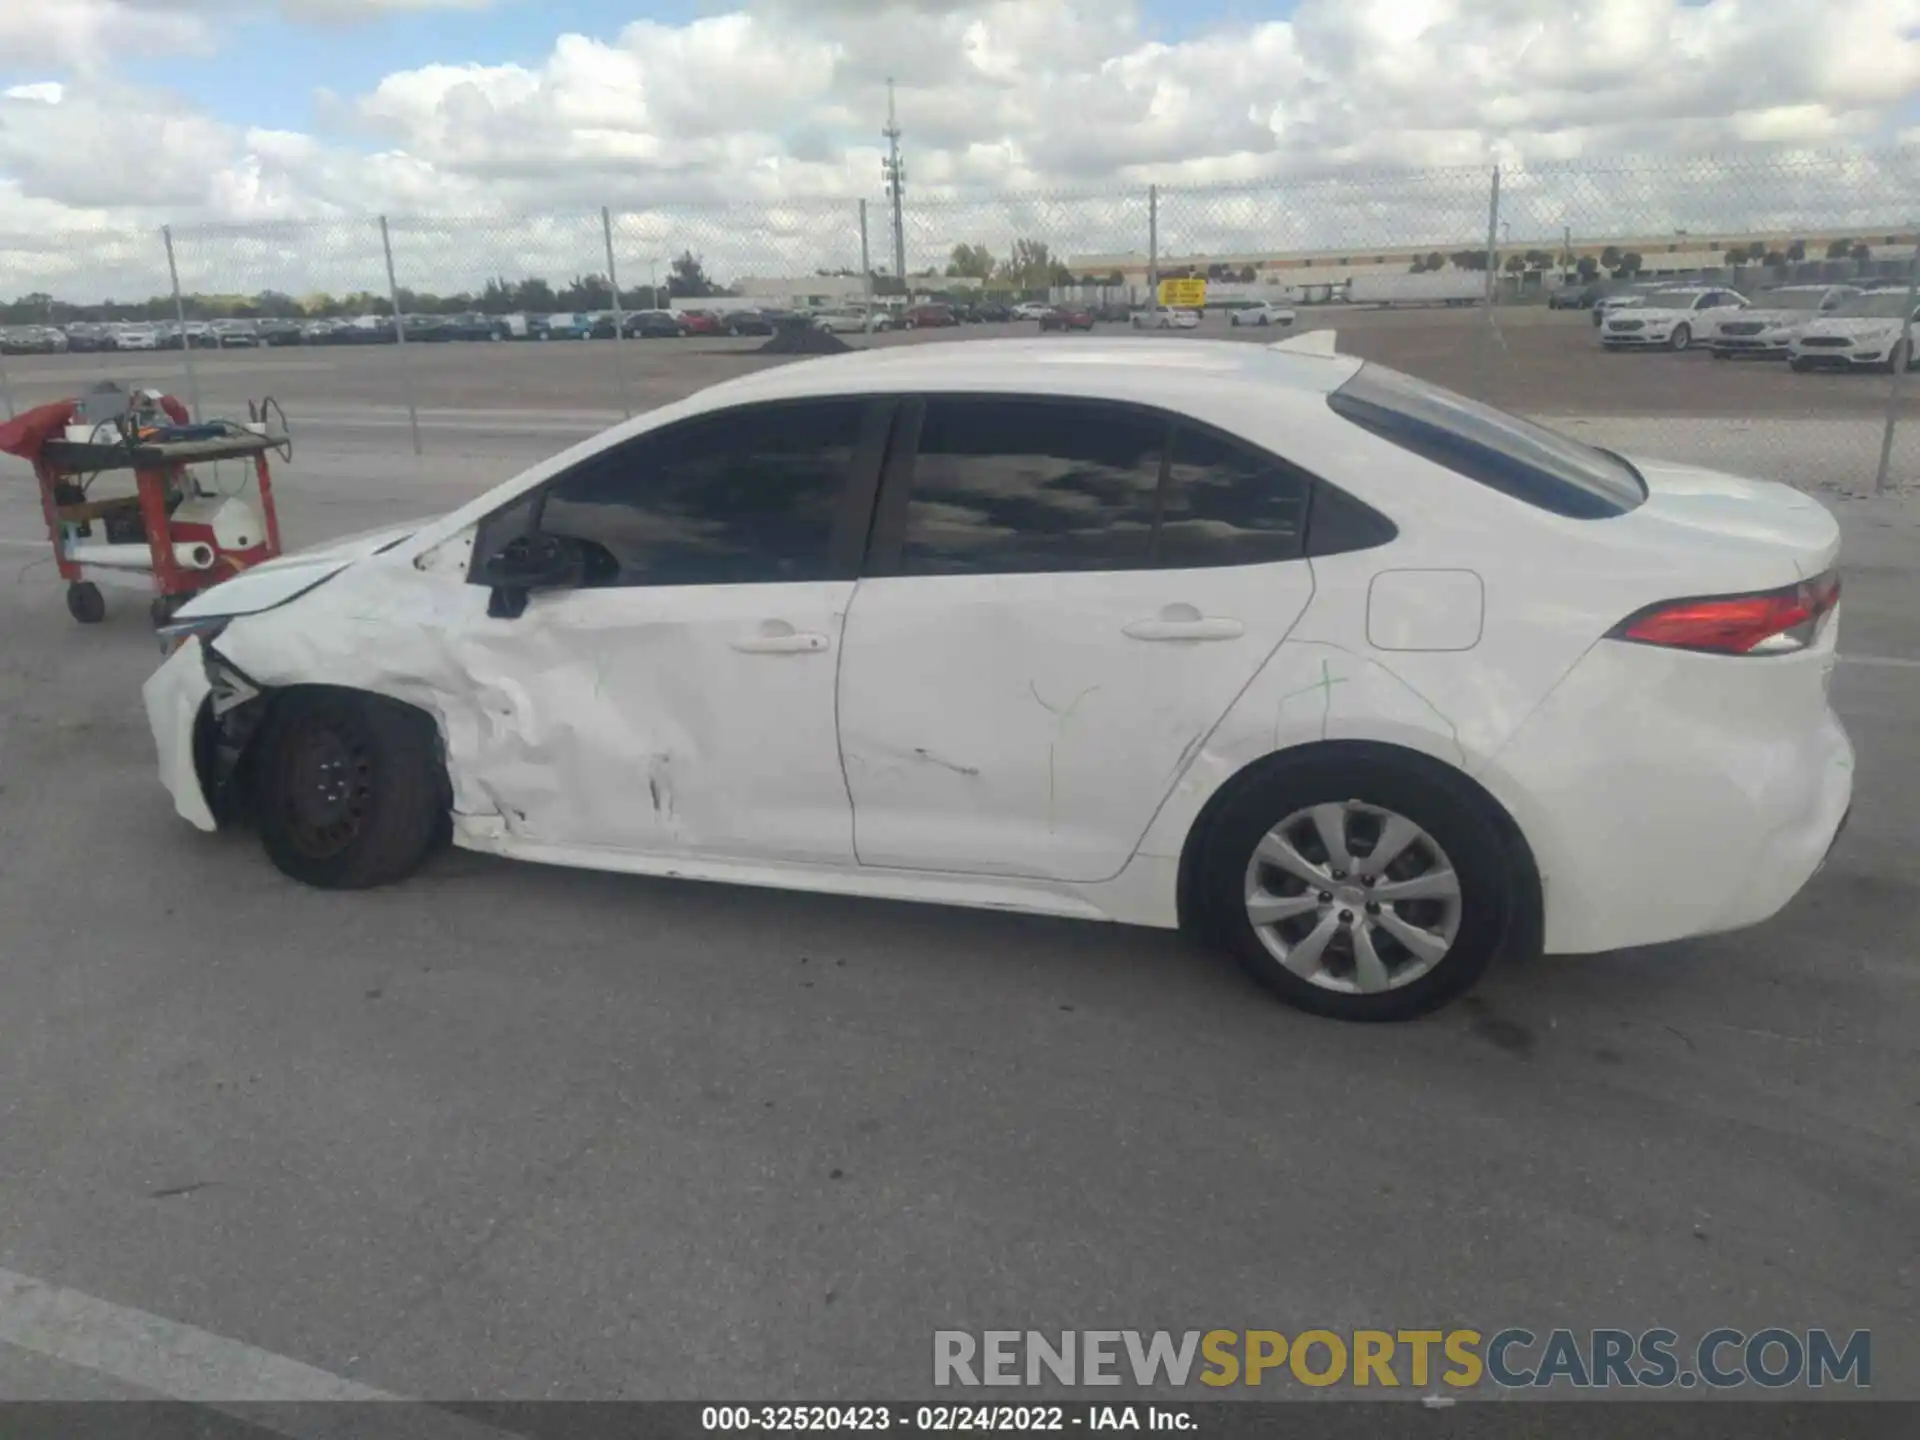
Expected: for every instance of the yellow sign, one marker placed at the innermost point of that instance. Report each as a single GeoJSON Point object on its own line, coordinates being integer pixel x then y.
{"type": "Point", "coordinates": [1183, 294]}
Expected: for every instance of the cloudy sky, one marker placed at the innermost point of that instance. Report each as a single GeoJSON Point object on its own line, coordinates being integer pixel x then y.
{"type": "Point", "coordinates": [134, 112]}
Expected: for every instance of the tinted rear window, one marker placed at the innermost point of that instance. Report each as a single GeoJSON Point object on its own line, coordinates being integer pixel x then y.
{"type": "Point", "coordinates": [1501, 451]}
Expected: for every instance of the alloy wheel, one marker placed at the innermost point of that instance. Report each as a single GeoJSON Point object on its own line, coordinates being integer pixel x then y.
{"type": "Point", "coordinates": [1353, 898]}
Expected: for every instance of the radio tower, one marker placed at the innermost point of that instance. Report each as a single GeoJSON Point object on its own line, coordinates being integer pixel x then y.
{"type": "Point", "coordinates": [895, 173]}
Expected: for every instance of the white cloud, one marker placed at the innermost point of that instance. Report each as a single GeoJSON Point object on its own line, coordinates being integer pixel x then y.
{"type": "Point", "coordinates": [46, 92]}
{"type": "Point", "coordinates": [785, 98]}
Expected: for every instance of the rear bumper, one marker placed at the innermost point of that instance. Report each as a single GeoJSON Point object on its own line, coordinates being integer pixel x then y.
{"type": "Point", "coordinates": [1669, 795]}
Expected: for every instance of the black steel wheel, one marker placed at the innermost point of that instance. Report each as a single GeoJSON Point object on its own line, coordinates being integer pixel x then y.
{"type": "Point", "coordinates": [349, 790]}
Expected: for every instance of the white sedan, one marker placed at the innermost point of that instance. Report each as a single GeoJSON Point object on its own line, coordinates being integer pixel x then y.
{"type": "Point", "coordinates": [1365, 682]}
{"type": "Point", "coordinates": [1264, 314]}
{"type": "Point", "coordinates": [1165, 319]}
{"type": "Point", "coordinates": [1868, 332]}
{"type": "Point", "coordinates": [1670, 319]}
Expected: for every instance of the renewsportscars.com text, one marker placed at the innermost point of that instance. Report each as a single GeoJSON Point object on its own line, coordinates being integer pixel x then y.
{"type": "Point", "coordinates": [1512, 1358]}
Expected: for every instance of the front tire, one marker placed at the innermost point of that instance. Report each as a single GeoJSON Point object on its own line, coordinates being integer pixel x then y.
{"type": "Point", "coordinates": [350, 789]}
{"type": "Point", "coordinates": [1360, 887]}
{"type": "Point", "coordinates": [1800, 365]}
{"type": "Point", "coordinates": [1680, 339]}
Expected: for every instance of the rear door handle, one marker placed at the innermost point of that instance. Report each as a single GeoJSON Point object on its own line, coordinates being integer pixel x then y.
{"type": "Point", "coordinates": [776, 637]}
{"type": "Point", "coordinates": [1204, 628]}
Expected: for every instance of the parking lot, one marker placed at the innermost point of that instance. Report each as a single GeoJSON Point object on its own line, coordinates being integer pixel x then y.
{"type": "Point", "coordinates": [508, 1131]}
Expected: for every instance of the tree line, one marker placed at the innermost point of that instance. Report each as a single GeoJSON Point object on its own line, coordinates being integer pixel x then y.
{"type": "Point", "coordinates": [687, 279]}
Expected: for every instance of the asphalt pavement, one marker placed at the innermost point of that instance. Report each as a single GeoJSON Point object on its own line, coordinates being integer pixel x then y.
{"type": "Point", "coordinates": [512, 1131]}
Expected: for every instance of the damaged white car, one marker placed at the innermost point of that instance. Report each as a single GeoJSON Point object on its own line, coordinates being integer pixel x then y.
{"type": "Point", "coordinates": [1367, 682]}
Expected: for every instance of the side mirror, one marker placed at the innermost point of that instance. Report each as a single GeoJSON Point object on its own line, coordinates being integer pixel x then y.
{"type": "Point", "coordinates": [528, 563]}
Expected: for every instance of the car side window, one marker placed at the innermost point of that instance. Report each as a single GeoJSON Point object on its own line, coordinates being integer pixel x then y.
{"type": "Point", "coordinates": [740, 497]}
{"type": "Point", "coordinates": [1228, 503]}
{"type": "Point", "coordinates": [1010, 485]}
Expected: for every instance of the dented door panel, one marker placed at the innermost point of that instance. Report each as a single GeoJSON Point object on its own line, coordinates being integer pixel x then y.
{"type": "Point", "coordinates": [646, 720]}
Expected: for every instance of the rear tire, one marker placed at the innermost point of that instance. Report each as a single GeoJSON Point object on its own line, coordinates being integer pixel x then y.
{"type": "Point", "coordinates": [350, 789]}
{"type": "Point", "coordinates": [1460, 838]}
{"type": "Point", "coordinates": [1680, 339]}
{"type": "Point", "coordinates": [1800, 366]}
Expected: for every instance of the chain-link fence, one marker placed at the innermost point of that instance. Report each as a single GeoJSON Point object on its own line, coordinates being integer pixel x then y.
{"type": "Point", "coordinates": [1487, 280]}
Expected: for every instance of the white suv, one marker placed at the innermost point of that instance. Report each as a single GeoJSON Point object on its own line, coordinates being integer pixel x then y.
{"type": "Point", "coordinates": [1670, 319]}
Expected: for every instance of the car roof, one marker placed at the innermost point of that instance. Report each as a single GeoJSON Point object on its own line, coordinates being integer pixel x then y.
{"type": "Point", "coordinates": [1134, 367]}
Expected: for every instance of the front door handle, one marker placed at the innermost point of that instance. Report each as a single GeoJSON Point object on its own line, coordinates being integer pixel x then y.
{"type": "Point", "coordinates": [776, 637]}
{"type": "Point", "coordinates": [1202, 627]}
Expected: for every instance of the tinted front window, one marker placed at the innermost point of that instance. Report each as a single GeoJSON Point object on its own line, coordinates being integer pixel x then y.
{"type": "Point", "coordinates": [1228, 504]}
{"type": "Point", "coordinates": [1501, 451]}
{"type": "Point", "coordinates": [1007, 486]}
{"type": "Point", "coordinates": [742, 497]}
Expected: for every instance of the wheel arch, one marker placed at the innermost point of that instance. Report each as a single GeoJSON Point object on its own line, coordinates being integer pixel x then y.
{"type": "Point", "coordinates": [226, 749]}
{"type": "Point", "coordinates": [1531, 898]}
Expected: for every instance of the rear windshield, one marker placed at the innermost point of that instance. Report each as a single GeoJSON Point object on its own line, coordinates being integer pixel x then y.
{"type": "Point", "coordinates": [1501, 451]}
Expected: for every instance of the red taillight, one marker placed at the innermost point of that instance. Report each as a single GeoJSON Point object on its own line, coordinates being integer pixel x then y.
{"type": "Point", "coordinates": [1769, 623]}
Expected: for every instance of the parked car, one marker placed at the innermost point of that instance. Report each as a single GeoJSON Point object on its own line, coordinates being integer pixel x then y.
{"type": "Point", "coordinates": [85, 337]}
{"type": "Point", "coordinates": [366, 330]}
{"type": "Point", "coordinates": [235, 334]}
{"type": "Point", "coordinates": [281, 332]}
{"type": "Point", "coordinates": [1775, 318]}
{"type": "Point", "coordinates": [32, 340]}
{"type": "Point", "coordinates": [991, 312]}
{"type": "Point", "coordinates": [521, 327]}
{"type": "Point", "coordinates": [1670, 319]}
{"type": "Point", "coordinates": [655, 325]}
{"type": "Point", "coordinates": [136, 337]}
{"type": "Point", "coordinates": [1577, 297]}
{"type": "Point", "coordinates": [1164, 319]}
{"type": "Point", "coordinates": [701, 322]}
{"type": "Point", "coordinates": [1867, 332]}
{"type": "Point", "coordinates": [1067, 317]}
{"type": "Point", "coordinates": [1263, 314]}
{"type": "Point", "coordinates": [747, 322]}
{"type": "Point", "coordinates": [1029, 310]}
{"type": "Point", "coordinates": [471, 325]}
{"type": "Point", "coordinates": [852, 322]}
{"type": "Point", "coordinates": [425, 329]}
{"type": "Point", "coordinates": [569, 327]}
{"type": "Point", "coordinates": [1113, 314]}
{"type": "Point", "coordinates": [1597, 642]}
{"type": "Point", "coordinates": [321, 332]}
{"type": "Point", "coordinates": [928, 317]}
{"type": "Point", "coordinates": [1619, 298]}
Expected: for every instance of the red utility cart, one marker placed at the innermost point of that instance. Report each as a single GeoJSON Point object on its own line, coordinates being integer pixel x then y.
{"type": "Point", "coordinates": [185, 527]}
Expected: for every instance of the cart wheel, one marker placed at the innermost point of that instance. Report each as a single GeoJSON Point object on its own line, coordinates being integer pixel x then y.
{"type": "Point", "coordinates": [85, 602]}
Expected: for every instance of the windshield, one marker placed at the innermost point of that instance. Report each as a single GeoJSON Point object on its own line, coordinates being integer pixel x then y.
{"type": "Point", "coordinates": [1808, 300]}
{"type": "Point", "coordinates": [1672, 299]}
{"type": "Point", "coordinates": [1516, 457]}
{"type": "Point", "coordinates": [1888, 305]}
